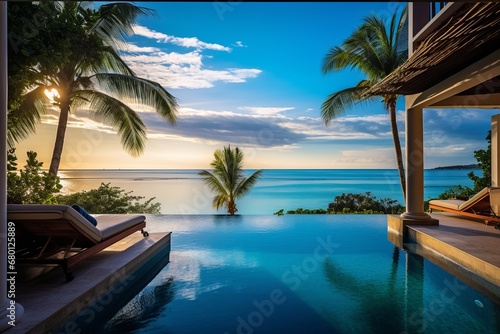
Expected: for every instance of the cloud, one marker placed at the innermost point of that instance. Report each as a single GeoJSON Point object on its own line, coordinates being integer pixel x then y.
{"type": "Point", "coordinates": [240, 44]}
{"type": "Point", "coordinates": [180, 69]}
{"type": "Point", "coordinates": [129, 47]}
{"type": "Point", "coordinates": [372, 157]}
{"type": "Point", "coordinates": [175, 70]}
{"type": "Point", "coordinates": [264, 127]}
{"type": "Point", "coordinates": [450, 137]}
{"type": "Point", "coordinates": [188, 42]}
{"type": "Point", "coordinates": [266, 110]}
{"type": "Point", "coordinates": [162, 58]}
{"type": "Point", "coordinates": [208, 126]}
{"type": "Point", "coordinates": [453, 130]}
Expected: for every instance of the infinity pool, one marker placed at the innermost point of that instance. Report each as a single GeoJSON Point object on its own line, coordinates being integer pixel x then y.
{"type": "Point", "coordinates": [297, 274]}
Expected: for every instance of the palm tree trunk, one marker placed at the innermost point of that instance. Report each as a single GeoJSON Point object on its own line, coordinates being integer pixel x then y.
{"type": "Point", "coordinates": [61, 132]}
{"type": "Point", "coordinates": [231, 206]}
{"type": "Point", "coordinates": [397, 147]}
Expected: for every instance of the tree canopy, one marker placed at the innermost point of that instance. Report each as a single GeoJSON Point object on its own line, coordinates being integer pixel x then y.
{"type": "Point", "coordinates": [228, 179]}
{"type": "Point", "coordinates": [74, 53]}
{"type": "Point", "coordinates": [374, 49]}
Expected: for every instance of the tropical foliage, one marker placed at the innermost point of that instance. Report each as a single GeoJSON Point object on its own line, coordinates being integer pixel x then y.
{"type": "Point", "coordinates": [30, 185]}
{"type": "Point", "coordinates": [375, 49]}
{"type": "Point", "coordinates": [301, 211]}
{"type": "Point", "coordinates": [85, 72]}
{"type": "Point", "coordinates": [228, 180]}
{"type": "Point", "coordinates": [364, 203]}
{"type": "Point", "coordinates": [352, 204]}
{"type": "Point", "coordinates": [109, 199]}
{"type": "Point", "coordinates": [483, 157]}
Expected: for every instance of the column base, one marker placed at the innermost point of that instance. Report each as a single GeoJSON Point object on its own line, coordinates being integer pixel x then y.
{"type": "Point", "coordinates": [396, 226]}
{"type": "Point", "coordinates": [417, 217]}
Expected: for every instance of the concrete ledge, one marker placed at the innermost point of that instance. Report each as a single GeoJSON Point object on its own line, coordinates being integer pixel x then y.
{"type": "Point", "coordinates": [397, 227]}
{"type": "Point", "coordinates": [50, 302]}
{"type": "Point", "coordinates": [463, 247]}
{"type": "Point", "coordinates": [485, 269]}
{"type": "Point", "coordinates": [398, 224]}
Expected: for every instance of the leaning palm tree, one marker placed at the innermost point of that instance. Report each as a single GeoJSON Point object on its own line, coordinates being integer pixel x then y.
{"type": "Point", "coordinates": [374, 49]}
{"type": "Point", "coordinates": [228, 180]}
{"type": "Point", "coordinates": [93, 76]}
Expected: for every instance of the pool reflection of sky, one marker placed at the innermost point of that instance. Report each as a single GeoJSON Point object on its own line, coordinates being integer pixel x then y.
{"type": "Point", "coordinates": [297, 274]}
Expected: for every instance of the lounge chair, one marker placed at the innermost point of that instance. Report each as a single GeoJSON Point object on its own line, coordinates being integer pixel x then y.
{"type": "Point", "coordinates": [480, 206]}
{"type": "Point", "coordinates": [58, 234]}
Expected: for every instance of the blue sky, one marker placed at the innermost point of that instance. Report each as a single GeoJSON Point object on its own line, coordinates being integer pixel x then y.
{"type": "Point", "coordinates": [249, 74]}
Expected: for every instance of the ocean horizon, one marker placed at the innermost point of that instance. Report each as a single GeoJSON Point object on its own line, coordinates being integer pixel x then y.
{"type": "Point", "coordinates": [182, 191]}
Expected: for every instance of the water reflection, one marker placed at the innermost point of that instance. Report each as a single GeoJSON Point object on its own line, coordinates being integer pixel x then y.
{"type": "Point", "coordinates": [377, 300]}
{"type": "Point", "coordinates": [145, 307]}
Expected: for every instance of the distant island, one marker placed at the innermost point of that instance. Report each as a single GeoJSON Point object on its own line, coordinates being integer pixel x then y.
{"type": "Point", "coordinates": [471, 166]}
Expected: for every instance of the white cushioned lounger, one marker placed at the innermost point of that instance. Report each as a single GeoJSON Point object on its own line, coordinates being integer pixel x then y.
{"type": "Point", "coordinates": [76, 238]}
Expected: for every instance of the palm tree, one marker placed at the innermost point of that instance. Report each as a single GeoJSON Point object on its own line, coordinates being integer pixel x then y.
{"type": "Point", "coordinates": [93, 76]}
{"type": "Point", "coordinates": [228, 180]}
{"type": "Point", "coordinates": [374, 49]}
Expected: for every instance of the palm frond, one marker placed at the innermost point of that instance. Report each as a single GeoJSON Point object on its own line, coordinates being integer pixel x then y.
{"type": "Point", "coordinates": [116, 21]}
{"type": "Point", "coordinates": [220, 201]}
{"type": "Point", "coordinates": [141, 91]}
{"type": "Point", "coordinates": [129, 125]}
{"type": "Point", "coordinates": [338, 102]}
{"type": "Point", "coordinates": [221, 168]}
{"type": "Point", "coordinates": [213, 182]}
{"type": "Point", "coordinates": [22, 121]}
{"type": "Point", "coordinates": [222, 195]}
{"type": "Point", "coordinates": [246, 184]}
{"type": "Point", "coordinates": [109, 61]}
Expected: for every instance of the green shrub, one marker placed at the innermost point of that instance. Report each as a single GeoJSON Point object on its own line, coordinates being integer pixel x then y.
{"type": "Point", "coordinates": [110, 199]}
{"type": "Point", "coordinates": [301, 211]}
{"type": "Point", "coordinates": [364, 203]}
{"type": "Point", "coordinates": [30, 185]}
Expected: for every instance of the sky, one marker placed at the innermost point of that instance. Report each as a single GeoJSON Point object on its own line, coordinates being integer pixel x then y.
{"type": "Point", "coordinates": [248, 74]}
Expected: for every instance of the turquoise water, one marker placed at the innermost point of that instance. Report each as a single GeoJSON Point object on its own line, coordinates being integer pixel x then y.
{"type": "Point", "coordinates": [297, 274]}
{"type": "Point", "coordinates": [183, 191]}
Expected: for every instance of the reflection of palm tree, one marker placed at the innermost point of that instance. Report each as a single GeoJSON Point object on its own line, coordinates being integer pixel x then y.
{"type": "Point", "coordinates": [376, 302]}
{"type": "Point", "coordinates": [227, 179]}
{"type": "Point", "coordinates": [147, 305]}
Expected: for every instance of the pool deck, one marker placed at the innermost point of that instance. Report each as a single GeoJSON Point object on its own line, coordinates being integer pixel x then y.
{"type": "Point", "coordinates": [468, 249]}
{"type": "Point", "coordinates": [50, 303]}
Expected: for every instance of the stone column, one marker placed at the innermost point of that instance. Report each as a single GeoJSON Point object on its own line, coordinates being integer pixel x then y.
{"type": "Point", "coordinates": [495, 145]}
{"type": "Point", "coordinates": [8, 308]}
{"type": "Point", "coordinates": [415, 166]}
{"type": "Point", "coordinates": [495, 164]}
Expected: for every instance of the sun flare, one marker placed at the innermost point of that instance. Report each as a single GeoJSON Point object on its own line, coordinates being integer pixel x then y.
{"type": "Point", "coordinates": [52, 94]}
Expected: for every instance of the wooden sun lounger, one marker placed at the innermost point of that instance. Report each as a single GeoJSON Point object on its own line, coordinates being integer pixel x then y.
{"type": "Point", "coordinates": [58, 234]}
{"type": "Point", "coordinates": [478, 206]}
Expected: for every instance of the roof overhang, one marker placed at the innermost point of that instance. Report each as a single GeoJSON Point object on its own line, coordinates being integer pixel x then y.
{"type": "Point", "coordinates": [469, 36]}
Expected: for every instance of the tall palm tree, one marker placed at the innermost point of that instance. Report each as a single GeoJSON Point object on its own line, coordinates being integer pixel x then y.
{"type": "Point", "coordinates": [94, 76]}
{"type": "Point", "coordinates": [374, 49]}
{"type": "Point", "coordinates": [228, 180]}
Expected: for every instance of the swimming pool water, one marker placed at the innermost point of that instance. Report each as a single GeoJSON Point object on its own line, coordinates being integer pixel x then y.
{"type": "Point", "coordinates": [297, 274]}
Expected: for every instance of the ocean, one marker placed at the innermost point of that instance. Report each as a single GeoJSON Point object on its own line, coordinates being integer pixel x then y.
{"type": "Point", "coordinates": [182, 191]}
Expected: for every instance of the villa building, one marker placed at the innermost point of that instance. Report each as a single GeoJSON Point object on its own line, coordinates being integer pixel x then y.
{"type": "Point", "coordinates": [453, 62]}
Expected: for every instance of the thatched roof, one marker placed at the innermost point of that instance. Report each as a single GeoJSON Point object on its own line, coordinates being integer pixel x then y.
{"type": "Point", "coordinates": [470, 34]}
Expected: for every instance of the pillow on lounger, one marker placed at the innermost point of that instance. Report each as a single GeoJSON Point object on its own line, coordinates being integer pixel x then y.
{"type": "Point", "coordinates": [85, 214]}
